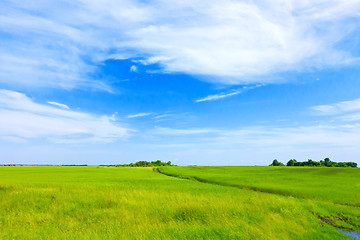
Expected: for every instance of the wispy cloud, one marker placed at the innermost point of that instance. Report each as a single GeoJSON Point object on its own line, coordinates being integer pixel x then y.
{"type": "Point", "coordinates": [338, 108]}
{"type": "Point", "coordinates": [21, 118]}
{"type": "Point", "coordinates": [351, 117]}
{"type": "Point", "coordinates": [173, 116]}
{"type": "Point", "coordinates": [229, 94]}
{"type": "Point", "coordinates": [218, 96]}
{"type": "Point", "coordinates": [59, 105]}
{"type": "Point", "coordinates": [315, 138]}
{"type": "Point", "coordinates": [227, 39]}
{"type": "Point", "coordinates": [171, 131]}
{"type": "Point", "coordinates": [230, 40]}
{"type": "Point", "coordinates": [138, 115]}
{"type": "Point", "coordinates": [163, 116]}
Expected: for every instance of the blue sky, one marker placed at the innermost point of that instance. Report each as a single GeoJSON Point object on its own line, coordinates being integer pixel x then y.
{"type": "Point", "coordinates": [192, 82]}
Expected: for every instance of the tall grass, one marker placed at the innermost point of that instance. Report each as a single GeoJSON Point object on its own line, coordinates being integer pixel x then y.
{"type": "Point", "coordinates": [138, 203]}
{"type": "Point", "coordinates": [331, 194]}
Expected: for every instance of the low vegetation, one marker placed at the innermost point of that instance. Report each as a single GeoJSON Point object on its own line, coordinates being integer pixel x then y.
{"type": "Point", "coordinates": [156, 163]}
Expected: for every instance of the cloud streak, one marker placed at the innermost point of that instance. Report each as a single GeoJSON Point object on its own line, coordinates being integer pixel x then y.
{"type": "Point", "coordinates": [225, 95]}
{"type": "Point", "coordinates": [319, 138]}
{"type": "Point", "coordinates": [23, 119]}
{"type": "Point", "coordinates": [59, 105]}
{"type": "Point", "coordinates": [218, 96]}
{"type": "Point", "coordinates": [257, 145]}
{"type": "Point", "coordinates": [338, 108]}
{"type": "Point", "coordinates": [171, 131]}
{"type": "Point", "coordinates": [138, 115]}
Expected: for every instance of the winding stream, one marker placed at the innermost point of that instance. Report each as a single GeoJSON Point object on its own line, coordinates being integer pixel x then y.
{"type": "Point", "coordinates": [353, 234]}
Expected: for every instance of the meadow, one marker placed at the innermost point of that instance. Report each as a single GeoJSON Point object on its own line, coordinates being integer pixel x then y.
{"type": "Point", "coordinates": [57, 202]}
{"type": "Point", "coordinates": [338, 185]}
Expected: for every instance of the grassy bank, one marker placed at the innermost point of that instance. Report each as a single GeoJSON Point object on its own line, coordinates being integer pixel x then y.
{"type": "Point", "coordinates": [138, 203]}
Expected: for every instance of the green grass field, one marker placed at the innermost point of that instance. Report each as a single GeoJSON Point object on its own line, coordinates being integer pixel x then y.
{"type": "Point", "coordinates": [338, 185]}
{"type": "Point", "coordinates": [139, 203]}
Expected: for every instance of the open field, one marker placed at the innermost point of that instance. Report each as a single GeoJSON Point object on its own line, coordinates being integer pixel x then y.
{"type": "Point", "coordinates": [339, 185]}
{"type": "Point", "coordinates": [139, 203]}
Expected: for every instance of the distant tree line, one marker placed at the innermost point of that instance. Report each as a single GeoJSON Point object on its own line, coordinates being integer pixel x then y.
{"type": "Point", "coordinates": [71, 165]}
{"type": "Point", "coordinates": [156, 163]}
{"type": "Point", "coordinates": [310, 163]}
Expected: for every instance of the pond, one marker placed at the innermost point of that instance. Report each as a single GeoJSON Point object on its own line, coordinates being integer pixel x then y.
{"type": "Point", "coordinates": [353, 234]}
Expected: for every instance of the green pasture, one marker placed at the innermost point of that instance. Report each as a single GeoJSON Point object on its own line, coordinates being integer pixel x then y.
{"type": "Point", "coordinates": [139, 203]}
{"type": "Point", "coordinates": [338, 185]}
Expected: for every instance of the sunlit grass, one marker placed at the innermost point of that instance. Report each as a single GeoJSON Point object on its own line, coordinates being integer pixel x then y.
{"type": "Point", "coordinates": [339, 185]}
{"type": "Point", "coordinates": [138, 203]}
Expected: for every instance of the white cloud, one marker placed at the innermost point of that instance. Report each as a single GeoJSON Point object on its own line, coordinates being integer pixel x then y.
{"type": "Point", "coordinates": [133, 68]}
{"type": "Point", "coordinates": [218, 96]}
{"type": "Point", "coordinates": [59, 105]}
{"type": "Point", "coordinates": [13, 139]}
{"type": "Point", "coordinates": [303, 137]}
{"type": "Point", "coordinates": [225, 95]}
{"type": "Point", "coordinates": [238, 39]}
{"type": "Point", "coordinates": [172, 117]}
{"type": "Point", "coordinates": [351, 117]}
{"type": "Point", "coordinates": [138, 115]}
{"type": "Point", "coordinates": [256, 145]}
{"type": "Point", "coordinates": [257, 142]}
{"type": "Point", "coordinates": [165, 115]}
{"type": "Point", "coordinates": [338, 108]}
{"type": "Point", "coordinates": [21, 118]}
{"type": "Point", "coordinates": [171, 131]}
{"type": "Point", "coordinates": [231, 40]}
{"type": "Point", "coordinates": [153, 60]}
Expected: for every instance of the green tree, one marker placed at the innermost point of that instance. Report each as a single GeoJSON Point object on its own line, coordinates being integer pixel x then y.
{"type": "Point", "coordinates": [276, 163]}
{"type": "Point", "coordinates": [291, 162]}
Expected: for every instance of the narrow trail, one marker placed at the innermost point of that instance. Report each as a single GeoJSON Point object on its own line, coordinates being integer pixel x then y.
{"type": "Point", "coordinates": [252, 189]}
{"type": "Point", "coordinates": [196, 179]}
